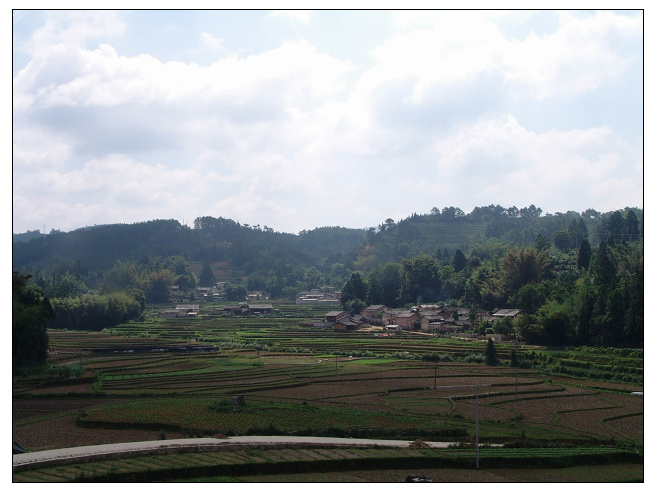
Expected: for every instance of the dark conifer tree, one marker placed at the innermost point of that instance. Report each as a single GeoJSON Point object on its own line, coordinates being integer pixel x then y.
{"type": "Point", "coordinates": [585, 253]}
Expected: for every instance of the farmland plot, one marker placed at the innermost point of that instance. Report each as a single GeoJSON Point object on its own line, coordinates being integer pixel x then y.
{"type": "Point", "coordinates": [151, 396]}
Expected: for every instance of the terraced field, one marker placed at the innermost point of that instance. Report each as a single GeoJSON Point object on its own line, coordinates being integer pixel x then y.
{"type": "Point", "coordinates": [144, 381]}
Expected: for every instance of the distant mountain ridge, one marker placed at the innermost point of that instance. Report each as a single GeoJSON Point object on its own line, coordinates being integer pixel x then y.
{"type": "Point", "coordinates": [254, 248]}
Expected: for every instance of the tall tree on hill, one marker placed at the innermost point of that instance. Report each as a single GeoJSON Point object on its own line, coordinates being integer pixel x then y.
{"type": "Point", "coordinates": [158, 286]}
{"type": "Point", "coordinates": [524, 266]}
{"type": "Point", "coordinates": [615, 226]}
{"type": "Point", "coordinates": [632, 228]}
{"type": "Point", "coordinates": [604, 270]}
{"type": "Point", "coordinates": [374, 288]}
{"type": "Point", "coordinates": [584, 256]}
{"type": "Point", "coordinates": [206, 278]}
{"type": "Point", "coordinates": [578, 232]}
{"type": "Point", "coordinates": [421, 279]}
{"type": "Point", "coordinates": [31, 311]}
{"type": "Point", "coordinates": [391, 282]}
{"type": "Point", "coordinates": [459, 261]}
{"type": "Point", "coordinates": [541, 242]}
{"type": "Point", "coordinates": [354, 289]}
{"type": "Point", "coordinates": [491, 358]}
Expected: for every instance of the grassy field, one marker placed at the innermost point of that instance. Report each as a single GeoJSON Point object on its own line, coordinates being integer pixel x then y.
{"type": "Point", "coordinates": [297, 380]}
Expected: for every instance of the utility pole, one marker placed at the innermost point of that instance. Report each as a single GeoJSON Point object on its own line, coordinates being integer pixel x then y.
{"type": "Point", "coordinates": [435, 379]}
{"type": "Point", "coordinates": [516, 383]}
{"type": "Point", "coordinates": [478, 386]}
{"type": "Point", "coordinates": [477, 460]}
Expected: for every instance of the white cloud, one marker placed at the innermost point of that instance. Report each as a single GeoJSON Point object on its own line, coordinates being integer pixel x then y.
{"type": "Point", "coordinates": [290, 136]}
{"type": "Point", "coordinates": [212, 43]}
{"type": "Point", "coordinates": [76, 27]}
{"type": "Point", "coordinates": [579, 57]}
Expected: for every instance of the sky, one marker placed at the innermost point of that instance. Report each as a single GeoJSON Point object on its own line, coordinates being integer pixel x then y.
{"type": "Point", "coordinates": [302, 119]}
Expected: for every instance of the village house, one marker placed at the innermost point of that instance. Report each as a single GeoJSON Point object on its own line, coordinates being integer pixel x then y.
{"type": "Point", "coordinates": [505, 313]}
{"type": "Point", "coordinates": [393, 329]}
{"type": "Point", "coordinates": [374, 311]}
{"type": "Point", "coordinates": [188, 307]}
{"type": "Point", "coordinates": [333, 316]}
{"type": "Point", "coordinates": [260, 308]}
{"type": "Point", "coordinates": [192, 310]}
{"type": "Point", "coordinates": [345, 323]}
{"type": "Point", "coordinates": [181, 311]}
{"type": "Point", "coordinates": [432, 324]}
{"type": "Point", "coordinates": [172, 313]}
{"type": "Point", "coordinates": [236, 309]}
{"type": "Point", "coordinates": [317, 297]}
{"type": "Point", "coordinates": [204, 291]}
{"type": "Point", "coordinates": [408, 320]}
{"type": "Point", "coordinates": [434, 310]}
{"type": "Point", "coordinates": [255, 295]}
{"type": "Point", "coordinates": [388, 315]}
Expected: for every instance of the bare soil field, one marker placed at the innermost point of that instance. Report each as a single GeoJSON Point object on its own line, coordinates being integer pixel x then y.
{"type": "Point", "coordinates": [281, 389]}
{"type": "Point", "coordinates": [578, 474]}
{"type": "Point", "coordinates": [62, 432]}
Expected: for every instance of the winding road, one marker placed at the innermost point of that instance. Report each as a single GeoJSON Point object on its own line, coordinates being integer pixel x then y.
{"type": "Point", "coordinates": [54, 457]}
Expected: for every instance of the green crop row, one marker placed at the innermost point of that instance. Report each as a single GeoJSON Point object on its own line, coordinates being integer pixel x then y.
{"type": "Point", "coordinates": [287, 461]}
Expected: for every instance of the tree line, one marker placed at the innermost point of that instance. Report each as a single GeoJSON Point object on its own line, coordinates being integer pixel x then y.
{"type": "Point", "coordinates": [583, 296]}
{"type": "Point", "coordinates": [546, 265]}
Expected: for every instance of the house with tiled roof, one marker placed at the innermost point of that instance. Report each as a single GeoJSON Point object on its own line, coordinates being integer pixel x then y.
{"type": "Point", "coordinates": [372, 311]}
{"type": "Point", "coordinates": [505, 313]}
{"type": "Point", "coordinates": [333, 316]}
{"type": "Point", "coordinates": [346, 323]}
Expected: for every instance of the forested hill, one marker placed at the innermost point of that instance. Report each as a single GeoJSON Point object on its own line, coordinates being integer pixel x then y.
{"type": "Point", "coordinates": [490, 230]}
{"type": "Point", "coordinates": [482, 232]}
{"type": "Point", "coordinates": [247, 248]}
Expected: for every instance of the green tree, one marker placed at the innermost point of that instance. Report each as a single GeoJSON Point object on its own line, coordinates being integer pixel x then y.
{"type": "Point", "coordinates": [374, 288]}
{"type": "Point", "coordinates": [604, 270]}
{"type": "Point", "coordinates": [391, 283]}
{"type": "Point", "coordinates": [354, 289]}
{"type": "Point", "coordinates": [615, 225]}
{"type": "Point", "coordinates": [67, 286]}
{"type": "Point", "coordinates": [504, 326]}
{"type": "Point", "coordinates": [355, 306]}
{"type": "Point", "coordinates": [454, 283]}
{"type": "Point", "coordinates": [577, 231]}
{"type": "Point", "coordinates": [206, 278]}
{"type": "Point", "coordinates": [541, 242]}
{"type": "Point", "coordinates": [473, 314]}
{"type": "Point", "coordinates": [514, 360]}
{"type": "Point", "coordinates": [524, 266]}
{"type": "Point", "coordinates": [459, 261]}
{"type": "Point", "coordinates": [491, 358]}
{"type": "Point", "coordinates": [158, 285]}
{"type": "Point", "coordinates": [421, 279]}
{"type": "Point", "coordinates": [484, 326]}
{"type": "Point", "coordinates": [557, 323]}
{"type": "Point", "coordinates": [562, 240]}
{"type": "Point", "coordinates": [632, 228]}
{"type": "Point", "coordinates": [31, 311]}
{"type": "Point", "coordinates": [584, 255]}
{"type": "Point", "coordinates": [312, 278]}
{"type": "Point", "coordinates": [235, 292]}
{"type": "Point", "coordinates": [529, 299]}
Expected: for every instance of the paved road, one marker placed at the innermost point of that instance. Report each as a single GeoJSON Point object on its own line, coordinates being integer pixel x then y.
{"type": "Point", "coordinates": [111, 451]}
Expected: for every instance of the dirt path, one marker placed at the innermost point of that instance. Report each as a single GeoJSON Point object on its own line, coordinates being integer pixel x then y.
{"type": "Point", "coordinates": [62, 456]}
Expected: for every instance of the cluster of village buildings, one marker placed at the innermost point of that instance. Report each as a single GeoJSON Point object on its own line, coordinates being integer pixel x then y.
{"type": "Point", "coordinates": [314, 296]}
{"type": "Point", "coordinates": [426, 318]}
{"type": "Point", "coordinates": [437, 319]}
{"type": "Point", "coordinates": [192, 310]}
